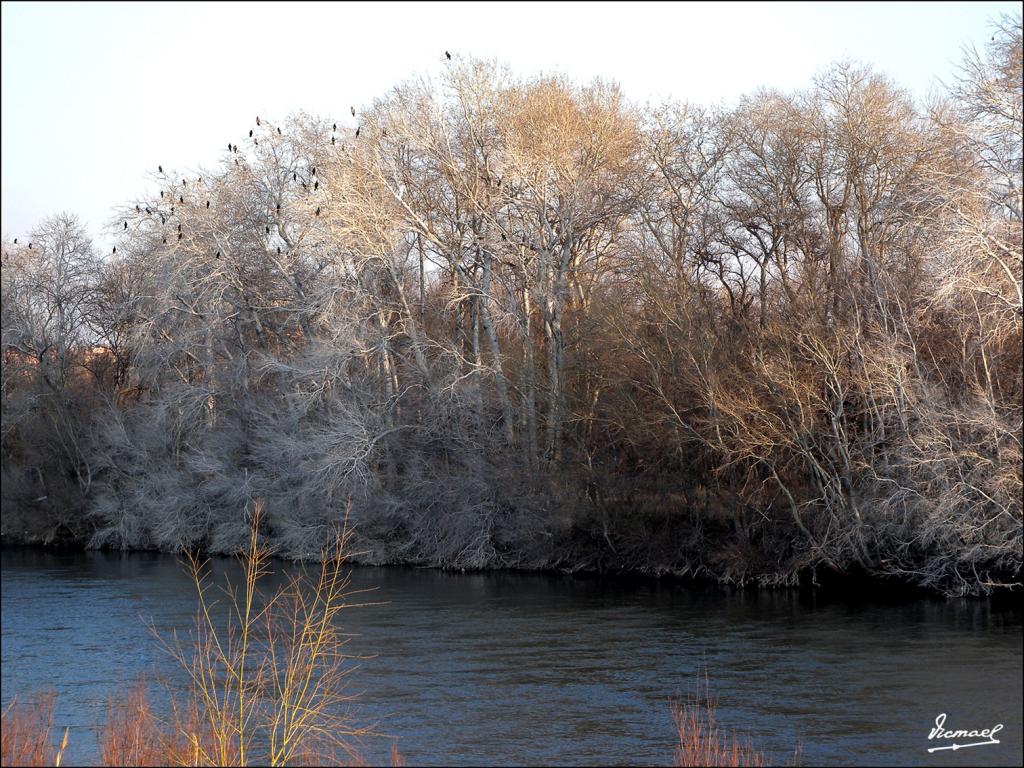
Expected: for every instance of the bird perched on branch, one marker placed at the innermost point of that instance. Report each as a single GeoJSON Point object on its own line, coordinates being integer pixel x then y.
{"type": "Point", "coordinates": [160, 168]}
{"type": "Point", "coordinates": [353, 110]}
{"type": "Point", "coordinates": [257, 119]}
{"type": "Point", "coordinates": [357, 133]}
{"type": "Point", "coordinates": [126, 225]}
{"type": "Point", "coordinates": [447, 55]}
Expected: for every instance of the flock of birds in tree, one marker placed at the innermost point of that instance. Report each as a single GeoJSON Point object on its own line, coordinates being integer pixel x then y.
{"type": "Point", "coordinates": [233, 148]}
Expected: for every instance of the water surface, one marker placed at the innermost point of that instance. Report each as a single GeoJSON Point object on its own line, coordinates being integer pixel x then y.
{"type": "Point", "coordinates": [505, 668]}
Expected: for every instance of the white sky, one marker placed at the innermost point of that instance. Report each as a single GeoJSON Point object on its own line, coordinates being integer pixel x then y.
{"type": "Point", "coordinates": [95, 96]}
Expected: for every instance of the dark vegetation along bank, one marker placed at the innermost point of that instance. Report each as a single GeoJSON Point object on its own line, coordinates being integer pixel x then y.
{"type": "Point", "coordinates": [527, 323]}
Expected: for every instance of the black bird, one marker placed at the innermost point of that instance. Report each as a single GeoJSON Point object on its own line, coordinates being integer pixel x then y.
{"type": "Point", "coordinates": [30, 246]}
{"type": "Point", "coordinates": [160, 168]}
{"type": "Point", "coordinates": [250, 133]}
{"type": "Point", "coordinates": [172, 209]}
{"type": "Point", "coordinates": [179, 235]}
{"type": "Point", "coordinates": [353, 111]}
{"type": "Point", "coordinates": [256, 142]}
{"type": "Point", "coordinates": [179, 227]}
{"type": "Point", "coordinates": [257, 119]}
{"type": "Point", "coordinates": [136, 209]}
{"type": "Point", "coordinates": [278, 131]}
{"type": "Point", "coordinates": [334, 127]}
{"type": "Point", "coordinates": [278, 207]}
{"type": "Point", "coordinates": [218, 254]}
{"type": "Point", "coordinates": [181, 198]}
{"type": "Point", "coordinates": [295, 176]}
{"type": "Point", "coordinates": [165, 241]}
{"type": "Point", "coordinates": [161, 193]}
{"type": "Point", "coordinates": [279, 250]}
{"type": "Point", "coordinates": [15, 241]}
{"type": "Point", "coordinates": [115, 249]}
{"type": "Point", "coordinates": [147, 210]}
{"type": "Point", "coordinates": [268, 229]}
{"type": "Point", "coordinates": [184, 182]}
{"type": "Point", "coordinates": [448, 55]}
{"type": "Point", "coordinates": [207, 203]}
{"type": "Point", "coordinates": [316, 185]}
{"type": "Point", "coordinates": [332, 141]}
{"type": "Point", "coordinates": [318, 210]}
{"type": "Point", "coordinates": [314, 171]}
{"type": "Point", "coordinates": [229, 146]}
{"type": "Point", "coordinates": [126, 225]}
{"type": "Point", "coordinates": [236, 148]}
{"type": "Point", "coordinates": [357, 133]}
{"type": "Point", "coordinates": [162, 219]}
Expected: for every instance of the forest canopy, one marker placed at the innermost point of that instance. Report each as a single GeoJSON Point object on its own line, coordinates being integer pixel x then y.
{"type": "Point", "coordinates": [523, 322]}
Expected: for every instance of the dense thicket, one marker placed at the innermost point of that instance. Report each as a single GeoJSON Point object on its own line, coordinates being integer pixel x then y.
{"type": "Point", "coordinates": [526, 323]}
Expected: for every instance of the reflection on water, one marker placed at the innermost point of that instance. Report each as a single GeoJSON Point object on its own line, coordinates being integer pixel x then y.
{"type": "Point", "coordinates": [505, 668]}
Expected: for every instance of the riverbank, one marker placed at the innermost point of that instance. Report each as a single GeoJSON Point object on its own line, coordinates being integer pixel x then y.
{"type": "Point", "coordinates": [855, 584]}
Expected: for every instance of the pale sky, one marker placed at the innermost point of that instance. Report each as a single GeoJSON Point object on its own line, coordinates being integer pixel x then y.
{"type": "Point", "coordinates": [95, 96]}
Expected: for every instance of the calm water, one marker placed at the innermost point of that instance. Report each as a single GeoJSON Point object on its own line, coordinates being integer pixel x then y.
{"type": "Point", "coordinates": [528, 669]}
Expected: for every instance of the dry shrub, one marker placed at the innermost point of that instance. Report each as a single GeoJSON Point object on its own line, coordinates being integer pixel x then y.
{"type": "Point", "coordinates": [268, 684]}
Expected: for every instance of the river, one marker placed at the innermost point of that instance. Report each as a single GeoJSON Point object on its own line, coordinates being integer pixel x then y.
{"type": "Point", "coordinates": [508, 668]}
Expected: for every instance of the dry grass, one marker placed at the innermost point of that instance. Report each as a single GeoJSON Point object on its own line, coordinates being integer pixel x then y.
{"type": "Point", "coordinates": [701, 741]}
{"type": "Point", "coordinates": [131, 734]}
{"type": "Point", "coordinates": [25, 733]}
